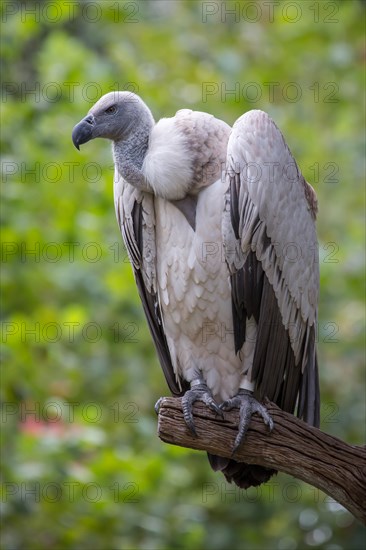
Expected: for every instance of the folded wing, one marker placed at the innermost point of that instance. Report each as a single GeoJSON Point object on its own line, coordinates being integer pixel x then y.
{"type": "Point", "coordinates": [271, 250]}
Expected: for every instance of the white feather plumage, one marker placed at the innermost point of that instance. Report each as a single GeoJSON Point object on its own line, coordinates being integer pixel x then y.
{"type": "Point", "coordinates": [165, 165]}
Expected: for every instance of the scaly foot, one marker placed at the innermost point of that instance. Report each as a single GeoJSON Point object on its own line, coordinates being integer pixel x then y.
{"type": "Point", "coordinates": [247, 405]}
{"type": "Point", "coordinates": [198, 392]}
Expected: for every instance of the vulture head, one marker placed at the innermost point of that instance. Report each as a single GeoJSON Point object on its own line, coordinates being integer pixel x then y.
{"type": "Point", "coordinates": [126, 120]}
{"type": "Point", "coordinates": [115, 116]}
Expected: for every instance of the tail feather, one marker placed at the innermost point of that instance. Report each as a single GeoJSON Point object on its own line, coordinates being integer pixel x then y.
{"type": "Point", "coordinates": [242, 474]}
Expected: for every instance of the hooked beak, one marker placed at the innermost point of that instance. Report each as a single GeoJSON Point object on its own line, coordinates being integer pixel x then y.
{"type": "Point", "coordinates": [83, 131]}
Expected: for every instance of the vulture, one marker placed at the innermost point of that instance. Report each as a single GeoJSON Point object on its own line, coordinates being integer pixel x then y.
{"type": "Point", "coordinates": [219, 225]}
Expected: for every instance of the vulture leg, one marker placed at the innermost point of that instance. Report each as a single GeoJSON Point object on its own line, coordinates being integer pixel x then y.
{"type": "Point", "coordinates": [198, 392]}
{"type": "Point", "coordinates": [248, 405]}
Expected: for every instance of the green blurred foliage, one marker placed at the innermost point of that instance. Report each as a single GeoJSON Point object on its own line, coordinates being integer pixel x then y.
{"type": "Point", "coordinates": [85, 469]}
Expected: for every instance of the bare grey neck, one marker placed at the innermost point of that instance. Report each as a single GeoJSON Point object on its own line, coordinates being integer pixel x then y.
{"type": "Point", "coordinates": [129, 154]}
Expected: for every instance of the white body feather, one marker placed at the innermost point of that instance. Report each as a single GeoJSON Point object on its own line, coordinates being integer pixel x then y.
{"type": "Point", "coordinates": [165, 165]}
{"type": "Point", "coordinates": [195, 295]}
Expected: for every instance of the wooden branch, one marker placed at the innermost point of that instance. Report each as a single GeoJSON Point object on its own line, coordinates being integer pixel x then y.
{"type": "Point", "coordinates": [293, 447]}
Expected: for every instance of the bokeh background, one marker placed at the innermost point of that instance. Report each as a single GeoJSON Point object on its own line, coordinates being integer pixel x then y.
{"type": "Point", "coordinates": [82, 466]}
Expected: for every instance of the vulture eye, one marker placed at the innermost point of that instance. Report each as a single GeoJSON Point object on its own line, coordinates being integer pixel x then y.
{"type": "Point", "coordinates": [111, 109]}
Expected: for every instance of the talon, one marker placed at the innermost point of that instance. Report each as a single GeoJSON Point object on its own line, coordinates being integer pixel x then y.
{"type": "Point", "coordinates": [215, 407]}
{"type": "Point", "coordinates": [187, 402]}
{"type": "Point", "coordinates": [230, 404]}
{"type": "Point", "coordinates": [157, 405]}
{"type": "Point", "coordinates": [237, 443]}
{"type": "Point", "coordinates": [267, 418]}
{"type": "Point", "coordinates": [191, 426]}
{"type": "Point", "coordinates": [198, 392]}
{"type": "Point", "coordinates": [247, 406]}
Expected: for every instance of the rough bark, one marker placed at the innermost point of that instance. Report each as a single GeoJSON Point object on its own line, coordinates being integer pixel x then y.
{"type": "Point", "coordinates": [293, 447]}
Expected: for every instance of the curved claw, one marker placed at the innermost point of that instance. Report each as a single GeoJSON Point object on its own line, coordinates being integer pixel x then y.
{"type": "Point", "coordinates": [197, 393]}
{"type": "Point", "coordinates": [248, 405]}
{"type": "Point", "coordinates": [229, 404]}
{"type": "Point", "coordinates": [211, 403]}
{"type": "Point", "coordinates": [157, 405]}
{"type": "Point", "coordinates": [187, 402]}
